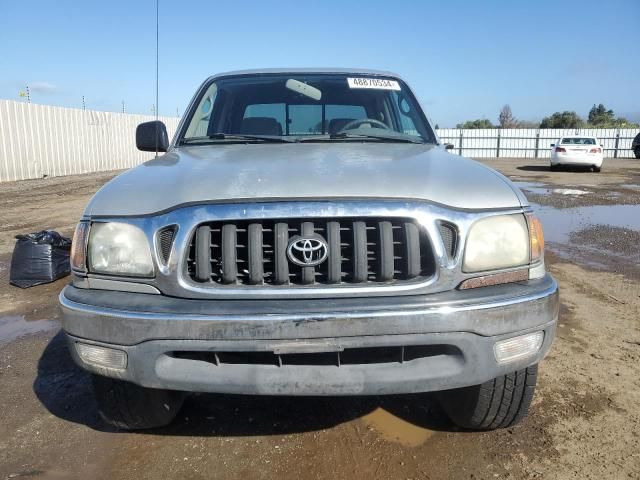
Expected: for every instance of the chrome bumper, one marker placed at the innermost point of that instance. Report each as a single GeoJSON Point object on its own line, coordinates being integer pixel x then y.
{"type": "Point", "coordinates": [462, 328]}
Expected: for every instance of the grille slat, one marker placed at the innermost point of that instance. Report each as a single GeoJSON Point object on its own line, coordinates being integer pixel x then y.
{"type": "Point", "coordinates": [281, 239]}
{"type": "Point", "coordinates": [307, 273]}
{"type": "Point", "coordinates": [412, 245]}
{"type": "Point", "coordinates": [256, 264]}
{"type": "Point", "coordinates": [385, 251]}
{"type": "Point", "coordinates": [360, 251]}
{"type": "Point", "coordinates": [203, 252]}
{"type": "Point", "coordinates": [334, 268]}
{"type": "Point", "coordinates": [229, 253]}
{"type": "Point", "coordinates": [359, 246]}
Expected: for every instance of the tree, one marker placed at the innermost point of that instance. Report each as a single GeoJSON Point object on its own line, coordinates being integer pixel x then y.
{"type": "Point", "coordinates": [601, 117]}
{"type": "Point", "coordinates": [564, 119]}
{"type": "Point", "coordinates": [506, 118]}
{"type": "Point", "coordinates": [480, 123]}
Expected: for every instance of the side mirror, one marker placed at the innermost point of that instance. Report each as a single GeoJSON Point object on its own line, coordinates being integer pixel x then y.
{"type": "Point", "coordinates": [152, 137]}
{"type": "Point", "coordinates": [553, 144]}
{"type": "Point", "coordinates": [448, 146]}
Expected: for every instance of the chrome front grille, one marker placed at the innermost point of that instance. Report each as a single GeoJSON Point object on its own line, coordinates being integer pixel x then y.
{"type": "Point", "coordinates": [360, 251]}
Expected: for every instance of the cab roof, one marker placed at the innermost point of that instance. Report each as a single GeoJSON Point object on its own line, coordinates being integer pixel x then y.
{"type": "Point", "coordinates": [352, 71]}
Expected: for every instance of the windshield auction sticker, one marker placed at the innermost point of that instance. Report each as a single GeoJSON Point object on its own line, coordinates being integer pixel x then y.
{"type": "Point", "coordinates": [379, 83]}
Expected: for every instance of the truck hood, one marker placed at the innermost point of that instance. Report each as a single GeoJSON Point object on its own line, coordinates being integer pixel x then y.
{"type": "Point", "coordinates": [319, 171]}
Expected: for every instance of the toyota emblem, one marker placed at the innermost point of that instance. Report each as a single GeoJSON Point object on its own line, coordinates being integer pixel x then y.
{"type": "Point", "coordinates": [308, 251]}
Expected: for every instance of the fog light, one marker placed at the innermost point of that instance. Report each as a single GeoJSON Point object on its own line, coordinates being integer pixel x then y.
{"type": "Point", "coordinates": [102, 356]}
{"type": "Point", "coordinates": [519, 347]}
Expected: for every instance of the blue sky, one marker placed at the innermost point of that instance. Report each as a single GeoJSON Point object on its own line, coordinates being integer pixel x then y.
{"type": "Point", "coordinates": [464, 59]}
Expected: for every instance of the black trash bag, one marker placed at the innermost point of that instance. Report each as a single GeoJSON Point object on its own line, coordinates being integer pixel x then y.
{"type": "Point", "coordinates": [39, 258]}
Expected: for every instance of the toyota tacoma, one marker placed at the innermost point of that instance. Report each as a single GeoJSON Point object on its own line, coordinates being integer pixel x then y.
{"type": "Point", "coordinates": [305, 232]}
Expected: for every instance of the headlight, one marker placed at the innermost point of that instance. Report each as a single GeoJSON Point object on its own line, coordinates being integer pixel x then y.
{"type": "Point", "coordinates": [78, 254]}
{"type": "Point", "coordinates": [497, 242]}
{"type": "Point", "coordinates": [536, 236]}
{"type": "Point", "coordinates": [119, 249]}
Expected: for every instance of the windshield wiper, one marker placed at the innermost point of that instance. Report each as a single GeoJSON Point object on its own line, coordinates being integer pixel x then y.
{"type": "Point", "coordinates": [236, 137]}
{"type": "Point", "coordinates": [375, 136]}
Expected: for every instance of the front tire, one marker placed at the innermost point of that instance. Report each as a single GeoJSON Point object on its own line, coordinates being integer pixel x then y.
{"type": "Point", "coordinates": [636, 152]}
{"type": "Point", "coordinates": [132, 407]}
{"type": "Point", "coordinates": [597, 169]}
{"type": "Point", "coordinates": [498, 403]}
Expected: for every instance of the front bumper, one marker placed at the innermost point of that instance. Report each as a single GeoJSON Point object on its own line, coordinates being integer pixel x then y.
{"type": "Point", "coordinates": [172, 343]}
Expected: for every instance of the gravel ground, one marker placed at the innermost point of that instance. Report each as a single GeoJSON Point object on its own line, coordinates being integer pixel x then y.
{"type": "Point", "coordinates": [584, 423]}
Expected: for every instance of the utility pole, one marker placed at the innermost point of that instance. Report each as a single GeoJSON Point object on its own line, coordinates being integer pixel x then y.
{"type": "Point", "coordinates": [84, 106]}
{"type": "Point", "coordinates": [28, 95]}
{"type": "Point", "coordinates": [122, 106]}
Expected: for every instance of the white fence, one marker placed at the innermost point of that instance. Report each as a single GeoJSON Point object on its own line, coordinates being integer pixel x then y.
{"type": "Point", "coordinates": [41, 140]}
{"type": "Point", "coordinates": [532, 142]}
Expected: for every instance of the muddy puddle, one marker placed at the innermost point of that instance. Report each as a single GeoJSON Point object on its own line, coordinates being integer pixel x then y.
{"type": "Point", "coordinates": [559, 224]}
{"type": "Point", "coordinates": [541, 189]}
{"type": "Point", "coordinates": [395, 429]}
{"type": "Point", "coordinates": [13, 327]}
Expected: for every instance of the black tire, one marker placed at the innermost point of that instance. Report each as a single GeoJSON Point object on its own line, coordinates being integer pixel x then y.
{"type": "Point", "coordinates": [554, 168]}
{"type": "Point", "coordinates": [636, 152]}
{"type": "Point", "coordinates": [597, 169]}
{"type": "Point", "coordinates": [498, 403]}
{"type": "Point", "coordinates": [131, 407]}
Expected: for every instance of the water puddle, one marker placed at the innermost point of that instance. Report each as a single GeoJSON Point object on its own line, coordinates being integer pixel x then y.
{"type": "Point", "coordinates": [569, 191]}
{"type": "Point", "coordinates": [395, 429]}
{"type": "Point", "coordinates": [16, 326]}
{"type": "Point", "coordinates": [540, 189]}
{"type": "Point", "coordinates": [560, 223]}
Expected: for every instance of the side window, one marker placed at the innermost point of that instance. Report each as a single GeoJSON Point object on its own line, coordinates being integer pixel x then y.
{"type": "Point", "coordinates": [276, 111]}
{"type": "Point", "coordinates": [202, 116]}
{"type": "Point", "coordinates": [407, 125]}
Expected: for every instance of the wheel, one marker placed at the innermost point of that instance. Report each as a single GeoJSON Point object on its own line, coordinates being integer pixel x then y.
{"type": "Point", "coordinates": [131, 407]}
{"type": "Point", "coordinates": [554, 168]}
{"type": "Point", "coordinates": [596, 169]}
{"type": "Point", "coordinates": [498, 403]}
{"type": "Point", "coordinates": [356, 123]}
{"type": "Point", "coordinates": [636, 152]}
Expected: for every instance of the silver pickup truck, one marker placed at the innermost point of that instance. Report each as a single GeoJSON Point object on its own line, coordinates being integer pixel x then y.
{"type": "Point", "coordinates": [307, 233]}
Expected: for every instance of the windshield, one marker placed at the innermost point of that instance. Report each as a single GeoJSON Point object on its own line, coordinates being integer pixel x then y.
{"type": "Point", "coordinates": [306, 107]}
{"type": "Point", "coordinates": [578, 141]}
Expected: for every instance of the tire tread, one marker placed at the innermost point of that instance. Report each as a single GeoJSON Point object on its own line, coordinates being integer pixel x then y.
{"type": "Point", "coordinates": [132, 407]}
{"type": "Point", "coordinates": [498, 403]}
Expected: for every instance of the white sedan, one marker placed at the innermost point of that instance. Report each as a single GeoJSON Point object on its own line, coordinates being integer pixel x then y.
{"type": "Point", "coordinates": [579, 151]}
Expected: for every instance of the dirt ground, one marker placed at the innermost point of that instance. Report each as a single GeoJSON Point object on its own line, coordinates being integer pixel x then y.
{"type": "Point", "coordinates": [585, 421]}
